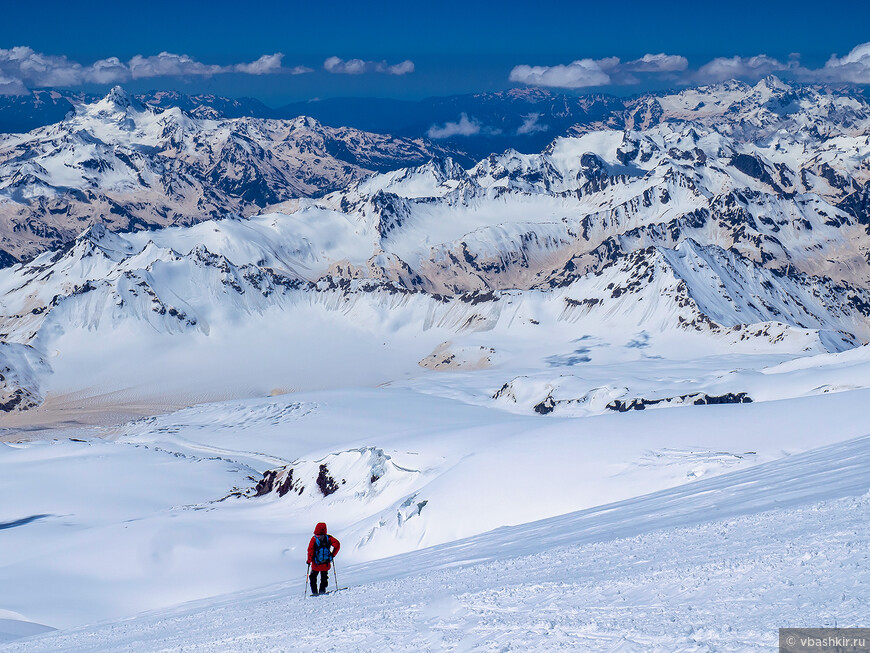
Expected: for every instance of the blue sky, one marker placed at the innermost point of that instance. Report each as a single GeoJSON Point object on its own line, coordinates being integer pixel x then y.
{"type": "Point", "coordinates": [412, 50]}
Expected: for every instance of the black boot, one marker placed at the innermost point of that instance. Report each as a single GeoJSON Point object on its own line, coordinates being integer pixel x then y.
{"type": "Point", "coordinates": [313, 579]}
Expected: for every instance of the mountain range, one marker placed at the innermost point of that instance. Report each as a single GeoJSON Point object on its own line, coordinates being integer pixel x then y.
{"type": "Point", "coordinates": [130, 166]}
{"type": "Point", "coordinates": [733, 212]}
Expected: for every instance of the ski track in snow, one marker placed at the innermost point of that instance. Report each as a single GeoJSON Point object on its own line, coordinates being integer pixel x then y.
{"type": "Point", "coordinates": [716, 565]}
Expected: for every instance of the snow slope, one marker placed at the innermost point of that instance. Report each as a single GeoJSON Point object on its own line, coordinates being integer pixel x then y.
{"type": "Point", "coordinates": [719, 564]}
{"type": "Point", "coordinates": [163, 511]}
{"type": "Point", "coordinates": [166, 316]}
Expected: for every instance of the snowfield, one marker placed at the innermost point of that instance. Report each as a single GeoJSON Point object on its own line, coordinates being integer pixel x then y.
{"type": "Point", "coordinates": [642, 530]}
{"type": "Point", "coordinates": [715, 565]}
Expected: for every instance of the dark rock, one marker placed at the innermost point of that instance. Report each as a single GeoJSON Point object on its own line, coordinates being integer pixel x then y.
{"type": "Point", "coordinates": [699, 399]}
{"type": "Point", "coordinates": [325, 482]}
{"type": "Point", "coordinates": [546, 407]}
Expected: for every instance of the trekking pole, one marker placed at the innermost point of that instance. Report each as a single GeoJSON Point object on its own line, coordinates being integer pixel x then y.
{"type": "Point", "coordinates": [335, 575]}
{"type": "Point", "coordinates": [305, 591]}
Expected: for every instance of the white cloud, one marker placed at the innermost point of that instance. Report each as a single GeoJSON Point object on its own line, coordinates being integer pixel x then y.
{"type": "Point", "coordinates": [107, 71]}
{"type": "Point", "coordinates": [300, 70]}
{"type": "Point", "coordinates": [403, 68]}
{"type": "Point", "coordinates": [339, 66]}
{"type": "Point", "coordinates": [265, 65]}
{"type": "Point", "coordinates": [854, 67]}
{"type": "Point", "coordinates": [578, 74]}
{"type": "Point", "coordinates": [851, 68]}
{"type": "Point", "coordinates": [35, 68]}
{"type": "Point", "coordinates": [465, 127]}
{"type": "Point", "coordinates": [723, 68]}
{"type": "Point", "coordinates": [531, 125]}
{"type": "Point", "coordinates": [608, 64]}
{"type": "Point", "coordinates": [167, 64]}
{"type": "Point", "coordinates": [21, 68]}
{"type": "Point", "coordinates": [597, 72]}
{"type": "Point", "coordinates": [658, 63]}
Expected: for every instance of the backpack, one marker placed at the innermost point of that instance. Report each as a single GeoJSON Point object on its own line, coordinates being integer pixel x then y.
{"type": "Point", "coordinates": [322, 550]}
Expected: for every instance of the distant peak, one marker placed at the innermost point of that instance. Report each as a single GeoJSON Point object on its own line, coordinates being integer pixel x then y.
{"type": "Point", "coordinates": [529, 93]}
{"type": "Point", "coordinates": [99, 237]}
{"type": "Point", "coordinates": [119, 97]}
{"type": "Point", "coordinates": [94, 233]}
{"type": "Point", "coordinates": [305, 122]}
{"type": "Point", "coordinates": [773, 83]}
{"type": "Point", "coordinates": [205, 112]}
{"type": "Point", "coordinates": [444, 167]}
{"type": "Point", "coordinates": [118, 101]}
{"type": "Point", "coordinates": [727, 85]}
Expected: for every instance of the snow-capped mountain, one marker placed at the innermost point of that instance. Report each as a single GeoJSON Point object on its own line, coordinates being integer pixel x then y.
{"type": "Point", "coordinates": [131, 300]}
{"type": "Point", "coordinates": [181, 279]}
{"type": "Point", "coordinates": [165, 165]}
{"type": "Point", "coordinates": [128, 165]}
{"type": "Point", "coordinates": [749, 112]}
{"type": "Point", "coordinates": [41, 107]}
{"type": "Point", "coordinates": [729, 228]}
{"type": "Point", "coordinates": [786, 196]}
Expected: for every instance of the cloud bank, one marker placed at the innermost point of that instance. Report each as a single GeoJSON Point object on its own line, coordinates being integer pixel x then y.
{"type": "Point", "coordinates": [577, 74]}
{"type": "Point", "coordinates": [852, 68]}
{"type": "Point", "coordinates": [22, 68]}
{"type": "Point", "coordinates": [723, 68]}
{"type": "Point", "coordinates": [339, 66]}
{"type": "Point", "coordinates": [597, 72]}
{"type": "Point", "coordinates": [658, 63]}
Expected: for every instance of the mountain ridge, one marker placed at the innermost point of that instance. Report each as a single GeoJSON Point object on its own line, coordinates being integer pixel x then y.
{"type": "Point", "coordinates": [123, 163]}
{"type": "Point", "coordinates": [732, 231]}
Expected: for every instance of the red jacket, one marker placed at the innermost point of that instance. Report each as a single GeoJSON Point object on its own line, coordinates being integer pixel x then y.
{"type": "Point", "coordinates": [320, 529]}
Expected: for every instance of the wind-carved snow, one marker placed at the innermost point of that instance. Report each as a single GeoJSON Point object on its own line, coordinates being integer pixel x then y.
{"type": "Point", "coordinates": [239, 416]}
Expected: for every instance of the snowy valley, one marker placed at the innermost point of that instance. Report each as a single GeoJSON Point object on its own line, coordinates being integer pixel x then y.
{"type": "Point", "coordinates": [609, 396]}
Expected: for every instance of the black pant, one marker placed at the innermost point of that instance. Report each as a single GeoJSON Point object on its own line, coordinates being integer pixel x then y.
{"type": "Point", "coordinates": [324, 581]}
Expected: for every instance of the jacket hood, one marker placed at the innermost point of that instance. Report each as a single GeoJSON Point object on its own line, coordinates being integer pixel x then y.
{"type": "Point", "coordinates": [320, 529]}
